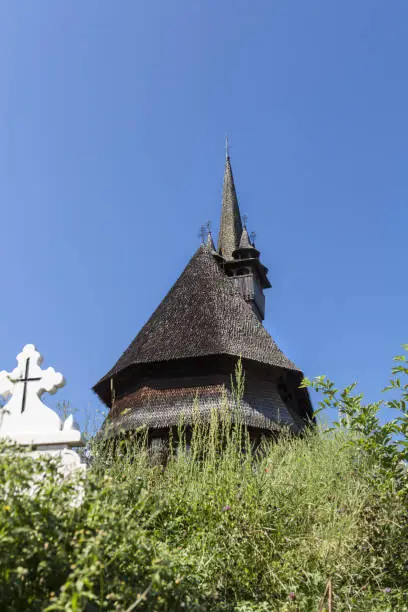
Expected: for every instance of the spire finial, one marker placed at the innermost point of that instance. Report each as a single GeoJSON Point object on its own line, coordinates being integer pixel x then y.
{"type": "Point", "coordinates": [226, 148]}
{"type": "Point", "coordinates": [202, 234]}
{"type": "Point", "coordinates": [244, 220]}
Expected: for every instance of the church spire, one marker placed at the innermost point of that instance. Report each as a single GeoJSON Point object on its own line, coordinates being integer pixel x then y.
{"type": "Point", "coordinates": [245, 241]}
{"type": "Point", "coordinates": [231, 224]}
{"type": "Point", "coordinates": [210, 241]}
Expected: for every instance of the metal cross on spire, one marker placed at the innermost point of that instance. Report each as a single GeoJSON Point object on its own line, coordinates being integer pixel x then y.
{"type": "Point", "coordinates": [202, 234]}
{"type": "Point", "coordinates": [226, 148]}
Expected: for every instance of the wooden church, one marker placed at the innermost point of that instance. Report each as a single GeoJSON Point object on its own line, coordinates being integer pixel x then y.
{"type": "Point", "coordinates": [186, 352]}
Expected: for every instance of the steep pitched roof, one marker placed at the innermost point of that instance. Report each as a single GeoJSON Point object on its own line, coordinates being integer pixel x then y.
{"type": "Point", "coordinates": [202, 314]}
{"type": "Point", "coordinates": [245, 241]}
{"type": "Point", "coordinates": [231, 224]}
{"type": "Point", "coordinates": [210, 241]}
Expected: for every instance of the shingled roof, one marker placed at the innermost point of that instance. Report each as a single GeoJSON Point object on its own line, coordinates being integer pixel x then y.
{"type": "Point", "coordinates": [160, 403]}
{"type": "Point", "coordinates": [202, 314]}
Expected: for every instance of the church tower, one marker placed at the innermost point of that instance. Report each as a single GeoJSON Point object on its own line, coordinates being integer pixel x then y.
{"type": "Point", "coordinates": [240, 257]}
{"type": "Point", "coordinates": [188, 349]}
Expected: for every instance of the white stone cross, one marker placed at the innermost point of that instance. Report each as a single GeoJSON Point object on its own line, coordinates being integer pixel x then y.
{"type": "Point", "coordinates": [25, 419]}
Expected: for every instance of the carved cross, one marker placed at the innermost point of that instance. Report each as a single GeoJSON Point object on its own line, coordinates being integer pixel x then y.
{"type": "Point", "coordinates": [25, 380]}
{"type": "Point", "coordinates": [26, 384]}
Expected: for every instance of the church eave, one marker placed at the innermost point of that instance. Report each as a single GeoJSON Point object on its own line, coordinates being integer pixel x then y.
{"type": "Point", "coordinates": [134, 371]}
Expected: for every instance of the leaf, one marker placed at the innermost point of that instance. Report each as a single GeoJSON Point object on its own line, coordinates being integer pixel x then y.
{"type": "Point", "coordinates": [306, 382]}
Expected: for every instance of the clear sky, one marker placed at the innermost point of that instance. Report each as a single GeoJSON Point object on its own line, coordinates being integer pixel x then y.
{"type": "Point", "coordinates": [113, 117]}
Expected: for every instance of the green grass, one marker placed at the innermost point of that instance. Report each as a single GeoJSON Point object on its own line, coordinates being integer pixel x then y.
{"type": "Point", "coordinates": [214, 529]}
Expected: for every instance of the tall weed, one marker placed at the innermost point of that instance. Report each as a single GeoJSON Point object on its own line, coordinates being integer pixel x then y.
{"type": "Point", "coordinates": [217, 527]}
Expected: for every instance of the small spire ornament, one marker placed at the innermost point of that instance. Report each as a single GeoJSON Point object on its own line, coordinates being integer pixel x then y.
{"type": "Point", "coordinates": [202, 234]}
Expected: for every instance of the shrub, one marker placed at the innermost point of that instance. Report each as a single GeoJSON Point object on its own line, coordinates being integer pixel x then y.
{"type": "Point", "coordinates": [216, 528]}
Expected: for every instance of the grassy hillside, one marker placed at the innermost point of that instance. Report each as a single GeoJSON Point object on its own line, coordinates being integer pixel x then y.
{"type": "Point", "coordinates": [217, 528]}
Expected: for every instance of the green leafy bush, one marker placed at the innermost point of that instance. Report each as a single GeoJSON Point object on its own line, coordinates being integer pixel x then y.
{"type": "Point", "coordinates": [217, 528]}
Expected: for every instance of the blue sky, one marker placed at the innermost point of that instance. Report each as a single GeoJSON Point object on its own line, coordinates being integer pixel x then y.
{"type": "Point", "coordinates": [113, 117]}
